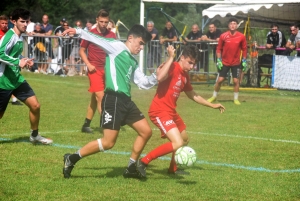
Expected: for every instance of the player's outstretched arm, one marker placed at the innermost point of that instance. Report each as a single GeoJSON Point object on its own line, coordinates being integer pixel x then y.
{"type": "Point", "coordinates": [197, 98]}
{"type": "Point", "coordinates": [162, 70]}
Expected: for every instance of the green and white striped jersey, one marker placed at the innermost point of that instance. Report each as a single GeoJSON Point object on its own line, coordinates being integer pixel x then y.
{"type": "Point", "coordinates": [120, 65]}
{"type": "Point", "coordinates": [11, 47]}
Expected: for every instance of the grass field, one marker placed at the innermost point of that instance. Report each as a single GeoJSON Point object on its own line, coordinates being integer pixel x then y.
{"type": "Point", "coordinates": [250, 152]}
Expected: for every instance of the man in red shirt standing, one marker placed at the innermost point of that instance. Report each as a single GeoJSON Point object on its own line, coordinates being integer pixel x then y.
{"type": "Point", "coordinates": [229, 48]}
{"type": "Point", "coordinates": [95, 61]}
{"type": "Point", "coordinates": [173, 78]}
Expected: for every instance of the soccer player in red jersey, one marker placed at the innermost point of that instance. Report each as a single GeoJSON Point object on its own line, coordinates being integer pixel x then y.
{"type": "Point", "coordinates": [229, 48]}
{"type": "Point", "coordinates": [95, 61]}
{"type": "Point", "coordinates": [173, 78]}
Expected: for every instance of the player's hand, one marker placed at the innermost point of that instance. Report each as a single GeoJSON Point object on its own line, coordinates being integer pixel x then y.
{"type": "Point", "coordinates": [219, 106]}
{"type": "Point", "coordinates": [91, 68]}
{"type": "Point", "coordinates": [70, 32]}
{"type": "Point", "coordinates": [25, 62]}
{"type": "Point", "coordinates": [171, 50]}
{"type": "Point", "coordinates": [219, 64]}
{"type": "Point", "coordinates": [244, 65]}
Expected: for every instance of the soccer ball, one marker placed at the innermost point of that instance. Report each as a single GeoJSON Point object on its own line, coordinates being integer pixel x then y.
{"type": "Point", "coordinates": [185, 156]}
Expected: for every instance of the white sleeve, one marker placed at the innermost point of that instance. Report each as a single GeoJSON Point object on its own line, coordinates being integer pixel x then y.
{"type": "Point", "coordinates": [143, 81]}
{"type": "Point", "coordinates": [109, 45]}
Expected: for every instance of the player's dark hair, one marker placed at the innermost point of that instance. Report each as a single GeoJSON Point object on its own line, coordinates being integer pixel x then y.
{"type": "Point", "coordinates": [20, 13]}
{"type": "Point", "coordinates": [140, 31]}
{"type": "Point", "coordinates": [274, 25]}
{"type": "Point", "coordinates": [103, 13]}
{"type": "Point", "coordinates": [3, 17]}
{"type": "Point", "coordinates": [191, 51]}
{"type": "Point", "coordinates": [233, 19]}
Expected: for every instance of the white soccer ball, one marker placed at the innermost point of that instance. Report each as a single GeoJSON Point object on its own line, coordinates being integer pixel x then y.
{"type": "Point", "coordinates": [185, 156]}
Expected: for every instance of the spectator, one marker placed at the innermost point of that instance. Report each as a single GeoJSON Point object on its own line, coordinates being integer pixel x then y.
{"type": "Point", "coordinates": [29, 29]}
{"type": "Point", "coordinates": [195, 36]}
{"type": "Point", "coordinates": [61, 22]}
{"type": "Point", "coordinates": [111, 26]}
{"type": "Point", "coordinates": [94, 57]}
{"type": "Point", "coordinates": [10, 24]}
{"type": "Point", "coordinates": [3, 29]}
{"type": "Point", "coordinates": [169, 34]}
{"type": "Point", "coordinates": [154, 48]}
{"type": "Point", "coordinates": [213, 34]}
{"type": "Point", "coordinates": [74, 56]}
{"type": "Point", "coordinates": [39, 44]}
{"type": "Point", "coordinates": [88, 25]}
{"type": "Point", "coordinates": [66, 46]}
{"type": "Point", "coordinates": [229, 48]}
{"type": "Point", "coordinates": [275, 39]}
{"type": "Point", "coordinates": [48, 28]}
{"type": "Point", "coordinates": [294, 40]}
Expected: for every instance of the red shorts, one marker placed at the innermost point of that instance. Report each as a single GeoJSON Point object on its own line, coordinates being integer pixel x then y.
{"type": "Point", "coordinates": [167, 121]}
{"type": "Point", "coordinates": [97, 81]}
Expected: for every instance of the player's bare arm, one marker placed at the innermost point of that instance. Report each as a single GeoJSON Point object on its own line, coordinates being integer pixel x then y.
{"type": "Point", "coordinates": [82, 53]}
{"type": "Point", "coordinates": [197, 98]}
{"type": "Point", "coordinates": [162, 73]}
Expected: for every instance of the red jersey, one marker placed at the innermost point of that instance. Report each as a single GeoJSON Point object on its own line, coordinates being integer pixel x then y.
{"type": "Point", "coordinates": [96, 55]}
{"type": "Point", "coordinates": [230, 47]}
{"type": "Point", "coordinates": [2, 33]}
{"type": "Point", "coordinates": [168, 91]}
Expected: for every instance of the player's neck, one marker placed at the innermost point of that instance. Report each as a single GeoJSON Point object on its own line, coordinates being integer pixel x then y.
{"type": "Point", "coordinates": [232, 32]}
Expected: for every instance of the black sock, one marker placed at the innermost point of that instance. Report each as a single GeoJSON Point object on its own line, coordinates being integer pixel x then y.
{"type": "Point", "coordinates": [34, 133]}
{"type": "Point", "coordinates": [74, 158]}
{"type": "Point", "coordinates": [87, 122]}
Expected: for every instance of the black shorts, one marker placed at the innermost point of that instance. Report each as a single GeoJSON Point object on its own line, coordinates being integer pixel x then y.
{"type": "Point", "coordinates": [23, 92]}
{"type": "Point", "coordinates": [235, 71]}
{"type": "Point", "coordinates": [118, 110]}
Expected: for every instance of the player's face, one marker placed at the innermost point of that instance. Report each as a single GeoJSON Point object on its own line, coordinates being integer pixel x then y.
{"type": "Point", "coordinates": [4, 25]}
{"type": "Point", "coordinates": [21, 25]}
{"type": "Point", "coordinates": [102, 23]}
{"type": "Point", "coordinates": [187, 63]}
{"type": "Point", "coordinates": [232, 26]}
{"type": "Point", "coordinates": [150, 27]}
{"type": "Point", "coordinates": [274, 30]}
{"type": "Point", "coordinates": [136, 44]}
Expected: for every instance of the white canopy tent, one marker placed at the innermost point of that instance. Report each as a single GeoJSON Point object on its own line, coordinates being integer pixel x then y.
{"type": "Point", "coordinates": [229, 3]}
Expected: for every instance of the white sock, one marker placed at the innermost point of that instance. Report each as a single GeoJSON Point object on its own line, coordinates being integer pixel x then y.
{"type": "Point", "coordinates": [14, 99]}
{"type": "Point", "coordinates": [131, 161]}
{"type": "Point", "coordinates": [236, 95]}
{"type": "Point", "coordinates": [215, 94]}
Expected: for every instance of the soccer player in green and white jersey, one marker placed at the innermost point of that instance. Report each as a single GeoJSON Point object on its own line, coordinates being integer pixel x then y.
{"type": "Point", "coordinates": [117, 107]}
{"type": "Point", "coordinates": [11, 81]}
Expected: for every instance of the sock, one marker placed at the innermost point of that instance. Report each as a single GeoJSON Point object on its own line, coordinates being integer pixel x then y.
{"type": "Point", "coordinates": [131, 161]}
{"type": "Point", "coordinates": [173, 166]}
{"type": "Point", "coordinates": [75, 157]}
{"type": "Point", "coordinates": [157, 152]}
{"type": "Point", "coordinates": [34, 133]}
{"type": "Point", "coordinates": [14, 99]}
{"type": "Point", "coordinates": [87, 122]}
{"type": "Point", "coordinates": [215, 94]}
{"type": "Point", "coordinates": [236, 95]}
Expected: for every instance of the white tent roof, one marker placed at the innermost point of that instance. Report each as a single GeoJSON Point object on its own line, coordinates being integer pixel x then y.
{"type": "Point", "coordinates": [286, 12]}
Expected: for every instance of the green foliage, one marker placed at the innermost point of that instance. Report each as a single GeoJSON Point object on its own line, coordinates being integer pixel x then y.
{"type": "Point", "coordinates": [234, 150]}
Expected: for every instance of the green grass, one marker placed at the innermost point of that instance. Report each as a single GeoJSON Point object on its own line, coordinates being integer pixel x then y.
{"type": "Point", "coordinates": [247, 153]}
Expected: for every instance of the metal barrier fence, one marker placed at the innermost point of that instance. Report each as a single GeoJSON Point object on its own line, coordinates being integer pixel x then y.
{"type": "Point", "coordinates": [60, 56]}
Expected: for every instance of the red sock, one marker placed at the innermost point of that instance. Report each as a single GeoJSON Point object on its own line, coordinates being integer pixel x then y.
{"type": "Point", "coordinates": [173, 166]}
{"type": "Point", "coordinates": [157, 152]}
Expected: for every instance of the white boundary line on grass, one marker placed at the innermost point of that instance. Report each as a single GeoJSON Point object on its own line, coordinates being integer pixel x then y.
{"type": "Point", "coordinates": [193, 132]}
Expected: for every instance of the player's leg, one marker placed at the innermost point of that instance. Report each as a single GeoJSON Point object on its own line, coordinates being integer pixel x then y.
{"type": "Point", "coordinates": [25, 93]}
{"type": "Point", "coordinates": [236, 71]}
{"type": "Point", "coordinates": [4, 99]}
{"type": "Point", "coordinates": [105, 143]}
{"type": "Point", "coordinates": [90, 114]}
{"type": "Point", "coordinates": [220, 80]}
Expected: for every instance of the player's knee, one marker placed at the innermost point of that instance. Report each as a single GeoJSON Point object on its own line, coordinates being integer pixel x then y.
{"type": "Point", "coordinates": [105, 145]}
{"type": "Point", "coordinates": [186, 141]}
{"type": "Point", "coordinates": [146, 134]}
{"type": "Point", "coordinates": [35, 107]}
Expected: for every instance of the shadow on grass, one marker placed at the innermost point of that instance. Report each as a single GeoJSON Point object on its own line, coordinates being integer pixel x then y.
{"type": "Point", "coordinates": [231, 100]}
{"type": "Point", "coordinates": [20, 139]}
